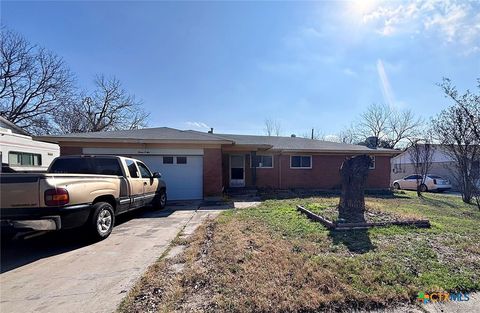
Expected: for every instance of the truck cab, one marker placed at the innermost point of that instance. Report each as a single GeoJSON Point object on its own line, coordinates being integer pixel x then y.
{"type": "Point", "coordinates": [79, 191]}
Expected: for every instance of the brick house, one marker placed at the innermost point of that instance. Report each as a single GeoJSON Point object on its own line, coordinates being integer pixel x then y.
{"type": "Point", "coordinates": [197, 165]}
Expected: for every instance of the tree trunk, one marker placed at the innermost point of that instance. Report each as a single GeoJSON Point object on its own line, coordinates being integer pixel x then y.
{"type": "Point", "coordinates": [467, 197]}
{"type": "Point", "coordinates": [354, 173]}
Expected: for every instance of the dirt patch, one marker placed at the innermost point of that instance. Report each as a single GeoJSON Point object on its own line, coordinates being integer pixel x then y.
{"type": "Point", "coordinates": [372, 214]}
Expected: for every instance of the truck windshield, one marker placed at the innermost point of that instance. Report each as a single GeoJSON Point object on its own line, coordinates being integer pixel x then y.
{"type": "Point", "coordinates": [103, 166]}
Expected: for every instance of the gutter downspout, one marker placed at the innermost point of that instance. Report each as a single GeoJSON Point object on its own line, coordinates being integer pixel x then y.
{"type": "Point", "coordinates": [253, 164]}
{"type": "Point", "coordinates": [280, 171]}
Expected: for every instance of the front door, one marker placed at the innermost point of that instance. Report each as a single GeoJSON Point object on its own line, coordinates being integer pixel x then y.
{"type": "Point", "coordinates": [237, 170]}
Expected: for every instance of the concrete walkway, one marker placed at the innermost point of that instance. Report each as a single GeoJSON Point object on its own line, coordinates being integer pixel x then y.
{"type": "Point", "coordinates": [61, 272]}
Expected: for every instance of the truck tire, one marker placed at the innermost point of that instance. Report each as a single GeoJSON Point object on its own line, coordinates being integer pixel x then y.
{"type": "Point", "coordinates": [102, 221]}
{"type": "Point", "coordinates": [161, 200]}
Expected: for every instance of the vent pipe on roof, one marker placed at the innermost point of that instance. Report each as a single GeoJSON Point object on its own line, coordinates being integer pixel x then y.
{"type": "Point", "coordinates": [211, 130]}
{"type": "Point", "coordinates": [372, 142]}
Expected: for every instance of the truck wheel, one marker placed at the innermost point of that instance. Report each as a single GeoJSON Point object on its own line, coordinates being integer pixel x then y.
{"type": "Point", "coordinates": [103, 219]}
{"type": "Point", "coordinates": [161, 201]}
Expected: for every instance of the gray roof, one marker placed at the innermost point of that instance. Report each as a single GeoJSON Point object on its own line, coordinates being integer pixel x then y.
{"type": "Point", "coordinates": [4, 123]}
{"type": "Point", "coordinates": [143, 135]}
{"type": "Point", "coordinates": [171, 135]}
{"type": "Point", "coordinates": [302, 144]}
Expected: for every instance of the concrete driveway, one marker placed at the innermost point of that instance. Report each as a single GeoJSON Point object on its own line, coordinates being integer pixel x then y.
{"type": "Point", "coordinates": [61, 272]}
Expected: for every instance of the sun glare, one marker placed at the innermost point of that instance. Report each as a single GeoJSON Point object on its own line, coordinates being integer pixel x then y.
{"type": "Point", "coordinates": [362, 7]}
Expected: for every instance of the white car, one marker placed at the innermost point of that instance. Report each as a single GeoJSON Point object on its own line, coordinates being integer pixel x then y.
{"type": "Point", "coordinates": [431, 183]}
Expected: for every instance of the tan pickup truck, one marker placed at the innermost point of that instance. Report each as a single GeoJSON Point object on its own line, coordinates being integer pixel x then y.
{"type": "Point", "coordinates": [79, 191]}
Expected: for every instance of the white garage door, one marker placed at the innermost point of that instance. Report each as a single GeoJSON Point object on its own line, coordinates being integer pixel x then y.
{"type": "Point", "coordinates": [181, 169]}
{"type": "Point", "coordinates": [183, 174]}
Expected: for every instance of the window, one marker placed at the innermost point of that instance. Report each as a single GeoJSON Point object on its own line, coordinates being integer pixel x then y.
{"type": "Point", "coordinates": [262, 161]}
{"type": "Point", "coordinates": [181, 160]}
{"type": "Point", "coordinates": [372, 163]}
{"type": "Point", "coordinates": [70, 165]}
{"type": "Point", "coordinates": [106, 166]}
{"type": "Point", "coordinates": [132, 168]}
{"type": "Point", "coordinates": [144, 170]}
{"type": "Point", "coordinates": [300, 161]}
{"type": "Point", "coordinates": [413, 177]}
{"type": "Point", "coordinates": [87, 165]}
{"type": "Point", "coordinates": [167, 160]}
{"type": "Point", "coordinates": [24, 159]}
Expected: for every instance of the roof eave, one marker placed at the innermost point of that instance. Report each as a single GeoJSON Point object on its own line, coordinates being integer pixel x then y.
{"type": "Point", "coordinates": [131, 140]}
{"type": "Point", "coordinates": [341, 151]}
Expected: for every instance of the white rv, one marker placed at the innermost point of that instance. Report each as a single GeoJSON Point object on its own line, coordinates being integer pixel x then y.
{"type": "Point", "coordinates": [23, 154]}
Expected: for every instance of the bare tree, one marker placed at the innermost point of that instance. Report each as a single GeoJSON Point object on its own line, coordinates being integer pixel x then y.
{"type": "Point", "coordinates": [391, 127]}
{"type": "Point", "coordinates": [349, 135]}
{"type": "Point", "coordinates": [421, 154]}
{"type": "Point", "coordinates": [109, 107]}
{"type": "Point", "coordinates": [469, 102]}
{"type": "Point", "coordinates": [374, 122]}
{"type": "Point", "coordinates": [455, 132]}
{"type": "Point", "coordinates": [458, 128]}
{"type": "Point", "coordinates": [272, 127]}
{"type": "Point", "coordinates": [402, 125]}
{"type": "Point", "coordinates": [314, 134]}
{"type": "Point", "coordinates": [33, 83]}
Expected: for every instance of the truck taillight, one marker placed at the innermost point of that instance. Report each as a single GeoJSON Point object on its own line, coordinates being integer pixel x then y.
{"type": "Point", "coordinates": [56, 197]}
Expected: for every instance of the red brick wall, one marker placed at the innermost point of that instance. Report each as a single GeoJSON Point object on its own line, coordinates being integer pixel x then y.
{"type": "Point", "coordinates": [269, 177]}
{"type": "Point", "coordinates": [226, 170]}
{"type": "Point", "coordinates": [70, 150]}
{"type": "Point", "coordinates": [324, 173]}
{"type": "Point", "coordinates": [212, 172]}
{"type": "Point", "coordinates": [380, 176]}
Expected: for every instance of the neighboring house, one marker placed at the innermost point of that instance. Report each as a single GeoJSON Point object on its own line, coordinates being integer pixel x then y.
{"type": "Point", "coordinates": [6, 124]}
{"type": "Point", "coordinates": [18, 151]}
{"type": "Point", "coordinates": [442, 165]}
{"type": "Point", "coordinates": [197, 165]}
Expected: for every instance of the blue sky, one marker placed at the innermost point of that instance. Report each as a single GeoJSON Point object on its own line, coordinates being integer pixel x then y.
{"type": "Point", "coordinates": [231, 65]}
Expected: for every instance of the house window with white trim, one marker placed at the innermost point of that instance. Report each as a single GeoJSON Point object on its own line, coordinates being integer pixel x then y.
{"type": "Point", "coordinates": [301, 161]}
{"type": "Point", "coordinates": [262, 161]}
{"type": "Point", "coordinates": [372, 163]}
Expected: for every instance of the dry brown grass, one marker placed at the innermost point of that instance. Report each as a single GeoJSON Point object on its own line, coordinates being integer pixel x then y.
{"type": "Point", "coordinates": [241, 266]}
{"type": "Point", "coordinates": [272, 259]}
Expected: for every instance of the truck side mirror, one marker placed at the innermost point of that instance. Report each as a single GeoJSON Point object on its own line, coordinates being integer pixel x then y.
{"type": "Point", "coordinates": [157, 175]}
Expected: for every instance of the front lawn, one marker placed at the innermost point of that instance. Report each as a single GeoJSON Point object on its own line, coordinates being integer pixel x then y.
{"type": "Point", "coordinates": [272, 258]}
